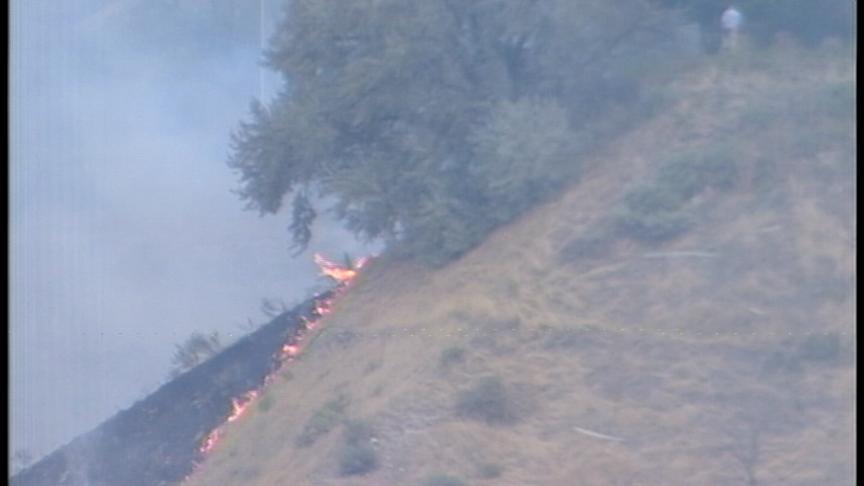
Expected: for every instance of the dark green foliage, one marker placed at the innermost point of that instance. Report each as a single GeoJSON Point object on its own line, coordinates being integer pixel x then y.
{"type": "Point", "coordinates": [323, 421]}
{"type": "Point", "coordinates": [431, 122]}
{"type": "Point", "coordinates": [524, 151]}
{"type": "Point", "coordinates": [357, 432]}
{"type": "Point", "coordinates": [814, 349]}
{"type": "Point", "coordinates": [452, 355]}
{"type": "Point", "coordinates": [821, 348]}
{"type": "Point", "coordinates": [356, 455]}
{"type": "Point", "coordinates": [357, 459]}
{"type": "Point", "coordinates": [195, 350]}
{"type": "Point", "coordinates": [443, 480]}
{"type": "Point", "coordinates": [489, 470]}
{"type": "Point", "coordinates": [487, 400]}
{"type": "Point", "coordinates": [654, 212]}
{"type": "Point", "coordinates": [303, 215]}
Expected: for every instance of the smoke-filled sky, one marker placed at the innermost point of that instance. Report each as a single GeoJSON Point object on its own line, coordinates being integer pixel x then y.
{"type": "Point", "coordinates": [125, 236]}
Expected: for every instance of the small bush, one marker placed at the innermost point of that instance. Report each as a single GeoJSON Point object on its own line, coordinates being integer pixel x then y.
{"type": "Point", "coordinates": [820, 348]}
{"type": "Point", "coordinates": [322, 422]}
{"type": "Point", "coordinates": [452, 355]}
{"type": "Point", "coordinates": [357, 459]}
{"type": "Point", "coordinates": [443, 480]}
{"type": "Point", "coordinates": [654, 211]}
{"type": "Point", "coordinates": [489, 470]}
{"type": "Point", "coordinates": [816, 349]}
{"type": "Point", "coordinates": [357, 432]}
{"type": "Point", "coordinates": [489, 401]}
{"type": "Point", "coordinates": [357, 456]}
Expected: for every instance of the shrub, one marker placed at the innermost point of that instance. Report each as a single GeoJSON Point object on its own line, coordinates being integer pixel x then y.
{"type": "Point", "coordinates": [357, 432]}
{"type": "Point", "coordinates": [357, 456]}
{"type": "Point", "coordinates": [443, 480]}
{"type": "Point", "coordinates": [487, 400]}
{"type": "Point", "coordinates": [815, 349]}
{"type": "Point", "coordinates": [489, 470]}
{"type": "Point", "coordinates": [654, 212]}
{"type": "Point", "coordinates": [322, 422]}
{"type": "Point", "coordinates": [820, 348]}
{"type": "Point", "coordinates": [452, 355]}
{"type": "Point", "coordinates": [357, 459]}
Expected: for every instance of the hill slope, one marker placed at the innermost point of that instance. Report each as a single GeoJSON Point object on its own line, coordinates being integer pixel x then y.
{"type": "Point", "coordinates": [607, 338]}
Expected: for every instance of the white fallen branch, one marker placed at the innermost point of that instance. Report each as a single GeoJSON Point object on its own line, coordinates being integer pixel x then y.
{"type": "Point", "coordinates": [680, 254]}
{"type": "Point", "coordinates": [597, 435]}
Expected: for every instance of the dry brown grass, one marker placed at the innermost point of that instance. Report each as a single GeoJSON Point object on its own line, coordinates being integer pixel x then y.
{"type": "Point", "coordinates": [672, 353]}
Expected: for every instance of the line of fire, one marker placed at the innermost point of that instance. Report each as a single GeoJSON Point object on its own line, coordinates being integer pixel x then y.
{"type": "Point", "coordinates": [165, 437]}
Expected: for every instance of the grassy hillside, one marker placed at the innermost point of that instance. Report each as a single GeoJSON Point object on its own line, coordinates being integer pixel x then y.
{"type": "Point", "coordinates": [683, 315]}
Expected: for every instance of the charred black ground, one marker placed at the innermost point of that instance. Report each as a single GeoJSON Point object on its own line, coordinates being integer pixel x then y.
{"type": "Point", "coordinates": [157, 441]}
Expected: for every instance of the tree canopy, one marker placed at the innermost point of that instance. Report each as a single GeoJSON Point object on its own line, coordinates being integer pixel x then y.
{"type": "Point", "coordinates": [430, 122]}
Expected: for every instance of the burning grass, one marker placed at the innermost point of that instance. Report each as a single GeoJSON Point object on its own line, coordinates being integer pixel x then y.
{"type": "Point", "coordinates": [327, 418]}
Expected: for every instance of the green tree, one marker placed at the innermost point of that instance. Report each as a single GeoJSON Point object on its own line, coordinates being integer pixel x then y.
{"type": "Point", "coordinates": [421, 118]}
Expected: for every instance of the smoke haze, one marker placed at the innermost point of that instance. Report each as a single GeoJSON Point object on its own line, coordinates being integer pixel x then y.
{"type": "Point", "coordinates": [125, 236]}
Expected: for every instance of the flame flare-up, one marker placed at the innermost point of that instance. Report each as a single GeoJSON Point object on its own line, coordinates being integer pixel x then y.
{"type": "Point", "coordinates": [343, 275]}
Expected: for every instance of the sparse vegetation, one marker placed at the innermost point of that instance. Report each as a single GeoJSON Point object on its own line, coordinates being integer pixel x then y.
{"type": "Point", "coordinates": [820, 348]}
{"type": "Point", "coordinates": [357, 431]}
{"type": "Point", "coordinates": [272, 308]}
{"type": "Point", "coordinates": [813, 349]}
{"type": "Point", "coordinates": [357, 459]}
{"type": "Point", "coordinates": [323, 421]}
{"type": "Point", "coordinates": [655, 212]}
{"type": "Point", "coordinates": [452, 355]}
{"type": "Point", "coordinates": [487, 400]}
{"type": "Point", "coordinates": [195, 350]}
{"type": "Point", "coordinates": [489, 470]}
{"type": "Point", "coordinates": [443, 480]}
{"type": "Point", "coordinates": [356, 455]}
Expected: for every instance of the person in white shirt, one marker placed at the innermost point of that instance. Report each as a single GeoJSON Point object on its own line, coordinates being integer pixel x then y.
{"type": "Point", "coordinates": [731, 22]}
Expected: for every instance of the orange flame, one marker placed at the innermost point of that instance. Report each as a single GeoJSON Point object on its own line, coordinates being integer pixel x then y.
{"type": "Point", "coordinates": [343, 275]}
{"type": "Point", "coordinates": [240, 405]}
{"type": "Point", "coordinates": [290, 350]}
{"type": "Point", "coordinates": [340, 273]}
{"type": "Point", "coordinates": [210, 442]}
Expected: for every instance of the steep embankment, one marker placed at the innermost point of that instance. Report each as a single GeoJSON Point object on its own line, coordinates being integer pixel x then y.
{"type": "Point", "coordinates": [608, 338]}
{"type": "Point", "coordinates": [158, 440]}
